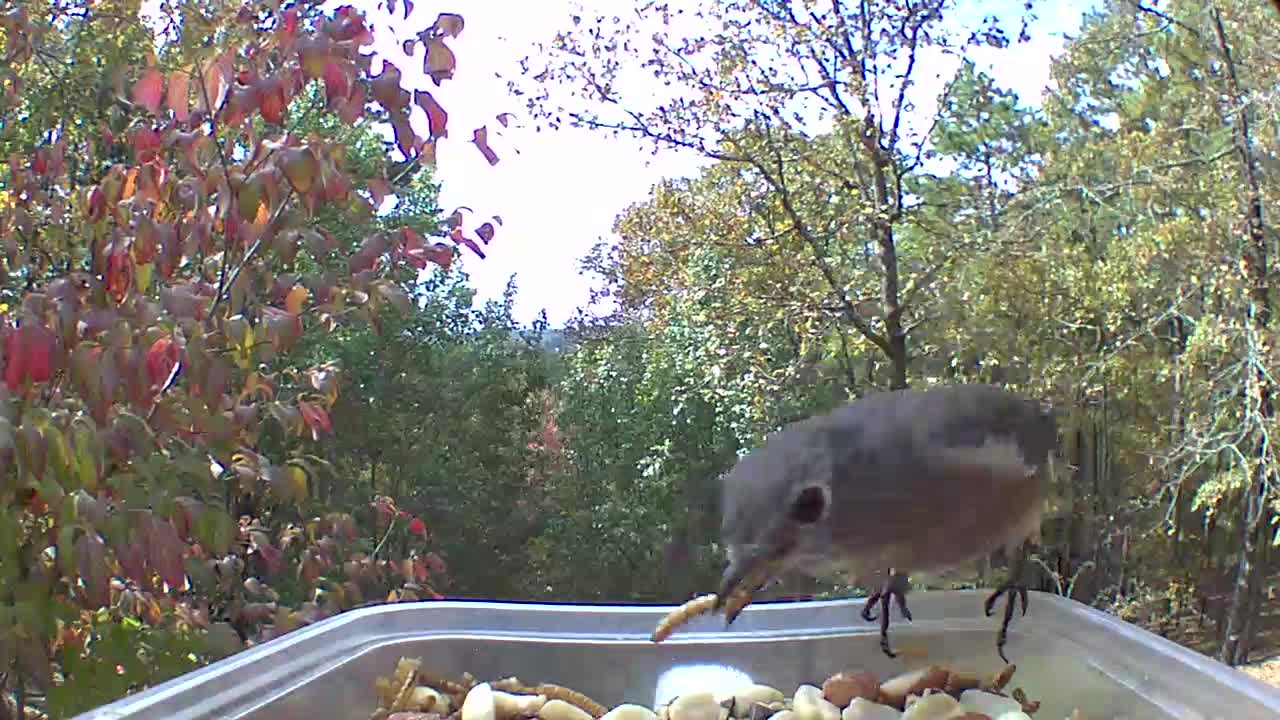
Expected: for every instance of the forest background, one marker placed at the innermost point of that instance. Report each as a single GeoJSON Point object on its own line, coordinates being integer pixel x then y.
{"type": "Point", "coordinates": [247, 383]}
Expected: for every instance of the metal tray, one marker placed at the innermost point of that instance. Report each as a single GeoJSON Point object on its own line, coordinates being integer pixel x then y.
{"type": "Point", "coordinates": [1068, 656]}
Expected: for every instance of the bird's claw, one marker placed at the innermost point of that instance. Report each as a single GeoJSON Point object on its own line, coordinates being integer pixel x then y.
{"type": "Point", "coordinates": [1013, 592]}
{"type": "Point", "coordinates": [893, 590]}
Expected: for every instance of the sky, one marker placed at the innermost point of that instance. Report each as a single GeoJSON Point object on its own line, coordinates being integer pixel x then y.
{"type": "Point", "coordinates": [560, 194]}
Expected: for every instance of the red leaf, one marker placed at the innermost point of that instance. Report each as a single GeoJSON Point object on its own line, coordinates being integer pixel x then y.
{"type": "Point", "coordinates": [214, 83]}
{"type": "Point", "coordinates": [146, 144]}
{"type": "Point", "coordinates": [440, 254]}
{"type": "Point", "coordinates": [360, 261]}
{"type": "Point", "coordinates": [165, 551]}
{"type": "Point", "coordinates": [450, 24]}
{"type": "Point", "coordinates": [28, 353]}
{"type": "Point", "coordinates": [133, 560]}
{"type": "Point", "coordinates": [91, 557]}
{"type": "Point", "coordinates": [59, 158]}
{"type": "Point", "coordinates": [417, 527]}
{"type": "Point", "coordinates": [272, 100]}
{"type": "Point", "coordinates": [437, 118]}
{"type": "Point", "coordinates": [272, 556]}
{"type": "Point", "coordinates": [316, 418]}
{"type": "Point", "coordinates": [311, 566]}
{"type": "Point", "coordinates": [97, 205]}
{"type": "Point", "coordinates": [417, 253]}
{"type": "Point", "coordinates": [186, 512]}
{"type": "Point", "coordinates": [386, 88]}
{"type": "Point", "coordinates": [243, 102]}
{"type": "Point", "coordinates": [181, 302]}
{"type": "Point", "coordinates": [178, 96]}
{"type": "Point", "coordinates": [40, 162]}
{"type": "Point", "coordinates": [289, 23]}
{"type": "Point", "coordinates": [120, 270]}
{"type": "Point", "coordinates": [150, 181]}
{"type": "Point", "coordinates": [406, 138]}
{"type": "Point", "coordinates": [352, 110]}
{"type": "Point", "coordinates": [171, 250]}
{"type": "Point", "coordinates": [149, 90]}
{"type": "Point", "coordinates": [352, 27]}
{"type": "Point", "coordinates": [457, 236]}
{"type": "Point", "coordinates": [435, 564]}
{"type": "Point", "coordinates": [337, 85]}
{"type": "Point", "coordinates": [439, 63]}
{"type": "Point", "coordinates": [485, 232]}
{"type": "Point", "coordinates": [481, 138]}
{"type": "Point", "coordinates": [146, 242]}
{"type": "Point", "coordinates": [336, 187]}
{"type": "Point", "coordinates": [385, 509]}
{"type": "Point", "coordinates": [162, 358]}
{"type": "Point", "coordinates": [379, 188]}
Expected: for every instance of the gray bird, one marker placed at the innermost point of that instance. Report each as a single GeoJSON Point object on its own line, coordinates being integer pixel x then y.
{"type": "Point", "coordinates": [908, 481]}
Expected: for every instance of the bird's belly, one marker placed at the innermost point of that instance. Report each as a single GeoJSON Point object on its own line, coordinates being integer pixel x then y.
{"type": "Point", "coordinates": [956, 538]}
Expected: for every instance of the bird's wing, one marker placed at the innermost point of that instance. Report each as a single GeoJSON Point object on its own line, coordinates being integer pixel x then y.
{"type": "Point", "coordinates": [938, 475]}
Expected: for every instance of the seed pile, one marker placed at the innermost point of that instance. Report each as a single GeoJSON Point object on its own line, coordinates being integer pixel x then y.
{"type": "Point", "coordinates": [931, 693]}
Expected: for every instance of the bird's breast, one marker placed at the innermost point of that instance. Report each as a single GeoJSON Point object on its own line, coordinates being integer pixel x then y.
{"type": "Point", "coordinates": [970, 529]}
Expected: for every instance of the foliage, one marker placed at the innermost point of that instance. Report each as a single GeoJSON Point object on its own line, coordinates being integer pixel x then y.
{"type": "Point", "coordinates": [810, 109]}
{"type": "Point", "coordinates": [1104, 251]}
{"type": "Point", "coordinates": [441, 413]}
{"type": "Point", "coordinates": [183, 205]}
{"type": "Point", "coordinates": [245, 387]}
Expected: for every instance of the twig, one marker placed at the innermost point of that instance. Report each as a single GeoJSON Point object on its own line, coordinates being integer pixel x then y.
{"type": "Point", "coordinates": [253, 250]}
{"type": "Point", "coordinates": [383, 541]}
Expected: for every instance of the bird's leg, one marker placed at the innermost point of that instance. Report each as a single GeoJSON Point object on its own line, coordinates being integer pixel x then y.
{"type": "Point", "coordinates": [894, 588]}
{"type": "Point", "coordinates": [1014, 588]}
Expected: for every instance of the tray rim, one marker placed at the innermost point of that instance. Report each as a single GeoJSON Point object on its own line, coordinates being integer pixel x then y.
{"type": "Point", "coordinates": [543, 622]}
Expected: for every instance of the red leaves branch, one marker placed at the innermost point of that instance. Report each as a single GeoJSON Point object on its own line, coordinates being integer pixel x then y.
{"type": "Point", "coordinates": [154, 358]}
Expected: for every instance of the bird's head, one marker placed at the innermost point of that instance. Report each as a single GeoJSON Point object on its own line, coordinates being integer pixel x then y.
{"type": "Point", "coordinates": [776, 504]}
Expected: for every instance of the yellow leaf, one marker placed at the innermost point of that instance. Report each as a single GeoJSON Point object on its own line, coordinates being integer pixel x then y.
{"type": "Point", "coordinates": [145, 273]}
{"type": "Point", "coordinates": [130, 184]}
{"type": "Point", "coordinates": [242, 352]}
{"type": "Point", "coordinates": [294, 300]}
{"type": "Point", "coordinates": [256, 388]}
{"type": "Point", "coordinates": [297, 483]}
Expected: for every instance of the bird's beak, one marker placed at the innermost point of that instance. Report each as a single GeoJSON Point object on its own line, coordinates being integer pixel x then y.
{"type": "Point", "coordinates": [747, 572]}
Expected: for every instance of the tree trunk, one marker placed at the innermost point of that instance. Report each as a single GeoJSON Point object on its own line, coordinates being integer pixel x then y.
{"type": "Point", "coordinates": [890, 289]}
{"type": "Point", "coordinates": [1261, 565]}
{"type": "Point", "coordinates": [1085, 509]}
{"type": "Point", "coordinates": [1183, 488]}
{"type": "Point", "coordinates": [1259, 390]}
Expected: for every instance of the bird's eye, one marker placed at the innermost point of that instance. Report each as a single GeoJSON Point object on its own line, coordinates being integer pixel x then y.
{"type": "Point", "coordinates": [808, 506]}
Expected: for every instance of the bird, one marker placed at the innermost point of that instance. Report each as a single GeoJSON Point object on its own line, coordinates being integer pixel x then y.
{"type": "Point", "coordinates": [895, 483]}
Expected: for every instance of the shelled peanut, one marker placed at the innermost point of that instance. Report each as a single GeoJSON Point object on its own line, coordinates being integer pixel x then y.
{"type": "Point", "coordinates": [931, 693]}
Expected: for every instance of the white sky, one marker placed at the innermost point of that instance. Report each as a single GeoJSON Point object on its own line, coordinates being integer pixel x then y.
{"type": "Point", "coordinates": [560, 195]}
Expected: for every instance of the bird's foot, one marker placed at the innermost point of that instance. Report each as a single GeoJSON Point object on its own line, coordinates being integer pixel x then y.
{"type": "Point", "coordinates": [1013, 592]}
{"type": "Point", "coordinates": [895, 588]}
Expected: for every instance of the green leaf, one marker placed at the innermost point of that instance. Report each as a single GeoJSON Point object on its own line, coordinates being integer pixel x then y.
{"type": "Point", "coordinates": [62, 460]}
{"type": "Point", "coordinates": [215, 530]}
{"type": "Point", "coordinates": [88, 451]}
{"type": "Point", "coordinates": [67, 550]}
